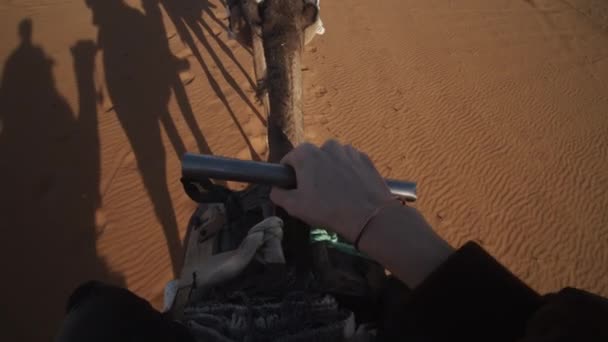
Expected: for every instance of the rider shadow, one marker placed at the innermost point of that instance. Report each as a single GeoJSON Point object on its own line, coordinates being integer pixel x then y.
{"type": "Point", "coordinates": [49, 181]}
{"type": "Point", "coordinates": [187, 17]}
{"type": "Point", "coordinates": [140, 73]}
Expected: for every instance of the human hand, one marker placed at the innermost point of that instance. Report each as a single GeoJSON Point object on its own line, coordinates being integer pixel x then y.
{"type": "Point", "coordinates": [338, 187]}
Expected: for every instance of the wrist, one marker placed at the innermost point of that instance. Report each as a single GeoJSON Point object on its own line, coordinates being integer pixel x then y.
{"type": "Point", "coordinates": [367, 222]}
{"type": "Point", "coordinates": [401, 240]}
{"type": "Point", "coordinates": [354, 221]}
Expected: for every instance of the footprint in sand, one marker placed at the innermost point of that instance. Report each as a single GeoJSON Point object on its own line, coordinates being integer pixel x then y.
{"type": "Point", "coordinates": [253, 127]}
{"type": "Point", "coordinates": [101, 222]}
{"type": "Point", "coordinates": [128, 161]}
{"type": "Point", "coordinates": [259, 144]}
{"type": "Point", "coordinates": [441, 216]}
{"type": "Point", "coordinates": [183, 66]}
{"type": "Point", "coordinates": [104, 101]}
{"type": "Point", "coordinates": [186, 77]}
{"type": "Point", "coordinates": [184, 53]}
{"type": "Point", "coordinates": [233, 44]}
{"type": "Point", "coordinates": [107, 106]}
{"type": "Point", "coordinates": [320, 91]}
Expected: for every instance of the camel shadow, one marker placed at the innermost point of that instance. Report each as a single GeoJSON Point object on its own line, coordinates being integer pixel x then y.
{"type": "Point", "coordinates": [141, 73]}
{"type": "Point", "coordinates": [187, 17]}
{"type": "Point", "coordinates": [49, 176]}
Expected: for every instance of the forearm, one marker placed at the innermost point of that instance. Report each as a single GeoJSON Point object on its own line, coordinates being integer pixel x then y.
{"type": "Point", "coordinates": [400, 239]}
{"type": "Point", "coordinates": [457, 295]}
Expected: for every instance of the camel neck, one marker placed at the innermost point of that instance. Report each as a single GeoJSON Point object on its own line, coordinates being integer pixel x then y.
{"type": "Point", "coordinates": [284, 85]}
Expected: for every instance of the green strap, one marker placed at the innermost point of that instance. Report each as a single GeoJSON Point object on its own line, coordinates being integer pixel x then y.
{"type": "Point", "coordinates": [320, 235]}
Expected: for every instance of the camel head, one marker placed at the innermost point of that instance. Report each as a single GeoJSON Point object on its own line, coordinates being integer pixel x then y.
{"type": "Point", "coordinates": [281, 17]}
{"type": "Point", "coordinates": [272, 16]}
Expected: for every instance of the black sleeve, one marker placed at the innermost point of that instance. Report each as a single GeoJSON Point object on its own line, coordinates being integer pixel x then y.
{"type": "Point", "coordinates": [470, 297]}
{"type": "Point", "coordinates": [101, 312]}
{"type": "Point", "coordinates": [569, 315]}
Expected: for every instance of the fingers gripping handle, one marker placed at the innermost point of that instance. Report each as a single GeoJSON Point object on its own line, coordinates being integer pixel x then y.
{"type": "Point", "coordinates": [200, 167]}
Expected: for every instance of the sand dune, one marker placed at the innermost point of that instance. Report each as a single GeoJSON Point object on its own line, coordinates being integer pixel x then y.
{"type": "Point", "coordinates": [497, 109]}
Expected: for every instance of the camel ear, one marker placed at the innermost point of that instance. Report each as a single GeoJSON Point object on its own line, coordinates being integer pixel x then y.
{"type": "Point", "coordinates": [310, 14]}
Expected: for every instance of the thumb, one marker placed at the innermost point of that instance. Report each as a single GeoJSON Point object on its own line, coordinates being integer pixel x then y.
{"type": "Point", "coordinates": [283, 198]}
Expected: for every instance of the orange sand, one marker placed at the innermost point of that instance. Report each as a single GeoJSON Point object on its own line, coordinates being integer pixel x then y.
{"type": "Point", "coordinates": [497, 108]}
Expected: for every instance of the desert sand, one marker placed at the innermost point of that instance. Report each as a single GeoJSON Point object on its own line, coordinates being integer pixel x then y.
{"type": "Point", "coordinates": [498, 109]}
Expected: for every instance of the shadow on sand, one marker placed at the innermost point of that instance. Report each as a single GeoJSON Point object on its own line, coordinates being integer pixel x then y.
{"type": "Point", "coordinates": [140, 74]}
{"type": "Point", "coordinates": [49, 176]}
{"type": "Point", "coordinates": [187, 17]}
{"type": "Point", "coordinates": [50, 154]}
